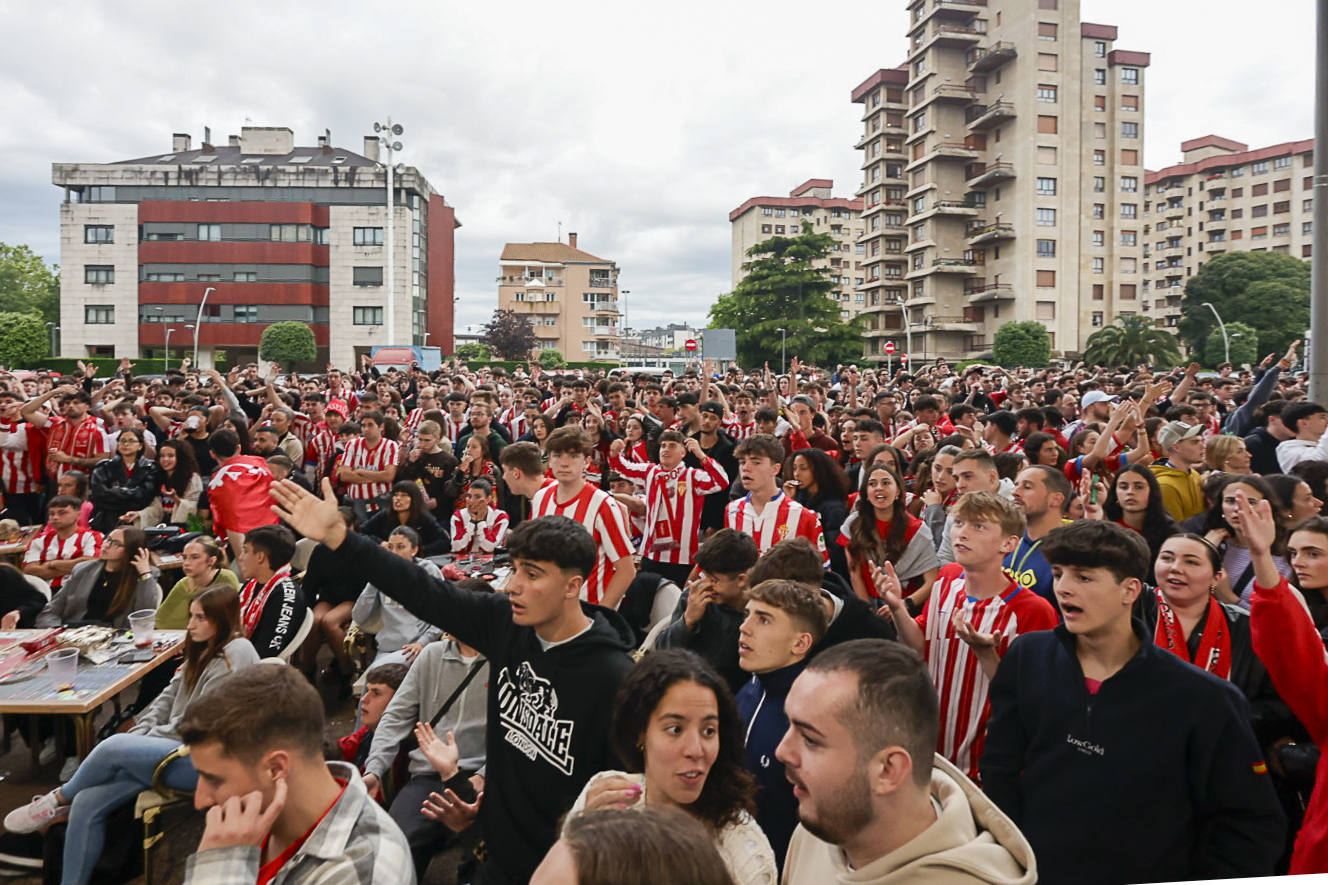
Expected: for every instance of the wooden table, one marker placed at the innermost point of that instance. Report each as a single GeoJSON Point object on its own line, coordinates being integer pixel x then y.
{"type": "Point", "coordinates": [94, 685]}
{"type": "Point", "coordinates": [20, 545]}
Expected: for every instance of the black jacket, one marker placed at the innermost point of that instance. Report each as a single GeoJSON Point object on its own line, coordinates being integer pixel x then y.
{"type": "Point", "coordinates": [761, 704]}
{"type": "Point", "coordinates": [1262, 446]}
{"type": "Point", "coordinates": [114, 492]}
{"type": "Point", "coordinates": [281, 618]}
{"type": "Point", "coordinates": [715, 639]}
{"type": "Point", "coordinates": [434, 539]}
{"type": "Point", "coordinates": [713, 506]}
{"type": "Point", "coordinates": [1156, 778]}
{"type": "Point", "coordinates": [549, 710]}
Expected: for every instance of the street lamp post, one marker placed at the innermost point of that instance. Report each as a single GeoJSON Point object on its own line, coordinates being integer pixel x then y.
{"type": "Point", "coordinates": [387, 132]}
{"type": "Point", "coordinates": [198, 323]}
{"type": "Point", "coordinates": [783, 339]}
{"type": "Point", "coordinates": [1226, 342]}
{"type": "Point", "coordinates": [165, 358]}
{"type": "Point", "coordinates": [50, 330]}
{"type": "Point", "coordinates": [622, 331]}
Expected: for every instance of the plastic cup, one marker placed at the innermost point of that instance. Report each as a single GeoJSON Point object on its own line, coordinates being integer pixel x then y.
{"type": "Point", "coordinates": [63, 664]}
{"type": "Point", "coordinates": [142, 624]}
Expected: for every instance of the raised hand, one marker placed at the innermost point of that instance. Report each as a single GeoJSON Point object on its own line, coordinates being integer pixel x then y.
{"type": "Point", "coordinates": [888, 586]}
{"type": "Point", "coordinates": [1258, 524]}
{"type": "Point", "coordinates": [700, 593]}
{"type": "Point", "coordinates": [308, 514]}
{"type": "Point", "coordinates": [443, 755]}
{"type": "Point", "coordinates": [450, 811]}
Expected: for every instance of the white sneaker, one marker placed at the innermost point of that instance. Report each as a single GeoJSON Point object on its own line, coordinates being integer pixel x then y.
{"type": "Point", "coordinates": [67, 770]}
{"type": "Point", "coordinates": [47, 753]}
{"type": "Point", "coordinates": [30, 818]}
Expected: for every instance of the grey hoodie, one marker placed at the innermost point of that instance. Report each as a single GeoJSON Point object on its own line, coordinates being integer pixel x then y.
{"type": "Point", "coordinates": [433, 677]}
{"type": "Point", "coordinates": [392, 625]}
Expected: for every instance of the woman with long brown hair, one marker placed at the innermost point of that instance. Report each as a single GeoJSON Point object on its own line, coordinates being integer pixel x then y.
{"type": "Point", "coordinates": [106, 589]}
{"type": "Point", "coordinates": [204, 567]}
{"type": "Point", "coordinates": [880, 530]}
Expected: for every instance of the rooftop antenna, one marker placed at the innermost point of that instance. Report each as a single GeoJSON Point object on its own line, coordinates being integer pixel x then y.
{"type": "Point", "coordinates": [560, 231]}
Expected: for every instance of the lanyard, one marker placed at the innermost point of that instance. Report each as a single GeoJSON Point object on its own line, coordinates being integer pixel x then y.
{"type": "Point", "coordinates": [1019, 566]}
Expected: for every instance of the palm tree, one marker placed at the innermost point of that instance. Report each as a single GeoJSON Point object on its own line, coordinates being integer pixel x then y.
{"type": "Point", "coordinates": [1129, 341]}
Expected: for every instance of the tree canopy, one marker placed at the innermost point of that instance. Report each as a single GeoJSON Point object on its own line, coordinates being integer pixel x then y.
{"type": "Point", "coordinates": [1022, 344]}
{"type": "Point", "coordinates": [23, 338]}
{"type": "Point", "coordinates": [550, 358]}
{"type": "Point", "coordinates": [28, 284]}
{"type": "Point", "coordinates": [509, 335]}
{"type": "Point", "coordinates": [288, 342]}
{"type": "Point", "coordinates": [472, 350]}
{"type": "Point", "coordinates": [1129, 341]}
{"type": "Point", "coordinates": [1244, 340]}
{"type": "Point", "coordinates": [1270, 291]}
{"type": "Point", "coordinates": [783, 290]}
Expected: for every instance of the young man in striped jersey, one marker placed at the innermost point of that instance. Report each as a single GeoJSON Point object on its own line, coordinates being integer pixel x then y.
{"type": "Point", "coordinates": [674, 494]}
{"type": "Point", "coordinates": [54, 553]}
{"type": "Point", "coordinates": [368, 467]}
{"type": "Point", "coordinates": [766, 513]}
{"type": "Point", "coordinates": [569, 451]}
{"type": "Point", "coordinates": [973, 614]}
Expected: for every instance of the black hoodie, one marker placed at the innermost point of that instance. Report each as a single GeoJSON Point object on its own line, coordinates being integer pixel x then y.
{"type": "Point", "coordinates": [549, 711]}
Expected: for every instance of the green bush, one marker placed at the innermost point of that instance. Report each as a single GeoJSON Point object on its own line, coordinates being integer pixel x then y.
{"type": "Point", "coordinates": [288, 342]}
{"type": "Point", "coordinates": [23, 337]}
{"type": "Point", "coordinates": [551, 359]}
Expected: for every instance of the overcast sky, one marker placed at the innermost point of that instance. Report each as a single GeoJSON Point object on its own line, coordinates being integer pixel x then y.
{"type": "Point", "coordinates": [637, 125]}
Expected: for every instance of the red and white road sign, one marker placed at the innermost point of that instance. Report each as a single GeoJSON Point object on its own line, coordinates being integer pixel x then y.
{"type": "Point", "coordinates": [889, 347]}
{"type": "Point", "coordinates": [689, 345]}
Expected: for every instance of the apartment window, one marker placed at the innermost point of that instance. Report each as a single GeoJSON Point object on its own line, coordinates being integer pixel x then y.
{"type": "Point", "coordinates": [1099, 158]}
{"type": "Point", "coordinates": [99, 274]}
{"type": "Point", "coordinates": [98, 233]}
{"type": "Point", "coordinates": [1128, 291]}
{"type": "Point", "coordinates": [1307, 205]}
{"type": "Point", "coordinates": [1099, 238]}
{"type": "Point", "coordinates": [1259, 211]}
{"type": "Point", "coordinates": [1046, 217]}
{"type": "Point", "coordinates": [1258, 233]}
{"type": "Point", "coordinates": [765, 228]}
{"type": "Point", "coordinates": [289, 233]}
{"type": "Point", "coordinates": [1129, 76]}
{"type": "Point", "coordinates": [367, 316]}
{"type": "Point", "coordinates": [1259, 190]}
{"type": "Point", "coordinates": [1259, 167]}
{"type": "Point", "coordinates": [1236, 172]}
{"type": "Point", "coordinates": [1046, 310]}
{"type": "Point", "coordinates": [1129, 184]}
{"type": "Point", "coordinates": [99, 194]}
{"type": "Point", "coordinates": [1129, 130]}
{"type": "Point", "coordinates": [1281, 186]}
{"type": "Point", "coordinates": [246, 313]}
{"type": "Point", "coordinates": [1098, 292]}
{"type": "Point", "coordinates": [795, 228]}
{"type": "Point", "coordinates": [1129, 210]}
{"type": "Point", "coordinates": [779, 213]}
{"type": "Point", "coordinates": [1237, 213]}
{"type": "Point", "coordinates": [1048, 4]}
{"type": "Point", "coordinates": [245, 276]}
{"type": "Point", "coordinates": [1046, 156]}
{"type": "Point", "coordinates": [1099, 266]}
{"type": "Point", "coordinates": [1099, 210]}
{"type": "Point", "coordinates": [99, 315]}
{"type": "Point", "coordinates": [1047, 31]}
{"type": "Point", "coordinates": [1099, 130]}
{"type": "Point", "coordinates": [1129, 102]}
{"type": "Point", "coordinates": [919, 204]}
{"type": "Point", "coordinates": [1129, 265]}
{"type": "Point", "coordinates": [767, 210]}
{"type": "Point", "coordinates": [1099, 184]}
{"type": "Point", "coordinates": [1307, 227]}
{"type": "Point", "coordinates": [210, 233]}
{"type": "Point", "coordinates": [1282, 230]}
{"type": "Point", "coordinates": [367, 276]}
{"type": "Point", "coordinates": [1048, 61]}
{"type": "Point", "coordinates": [1046, 93]}
{"type": "Point", "coordinates": [367, 236]}
{"type": "Point", "coordinates": [1129, 157]}
{"type": "Point", "coordinates": [1046, 248]}
{"type": "Point", "coordinates": [209, 278]}
{"type": "Point", "coordinates": [1046, 279]}
{"type": "Point", "coordinates": [1129, 238]}
{"type": "Point", "coordinates": [1100, 49]}
{"type": "Point", "coordinates": [1097, 319]}
{"type": "Point", "coordinates": [1046, 124]}
{"type": "Point", "coordinates": [1046, 187]}
{"type": "Point", "coordinates": [163, 278]}
{"type": "Point", "coordinates": [1099, 103]}
{"type": "Point", "coordinates": [1282, 162]}
{"type": "Point", "coordinates": [1099, 76]}
{"type": "Point", "coordinates": [1281, 207]}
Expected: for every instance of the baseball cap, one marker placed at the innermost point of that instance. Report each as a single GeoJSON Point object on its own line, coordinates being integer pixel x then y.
{"type": "Point", "coordinates": [1096, 396]}
{"type": "Point", "coordinates": [338, 406]}
{"type": "Point", "coordinates": [1175, 431]}
{"type": "Point", "coordinates": [713, 408]}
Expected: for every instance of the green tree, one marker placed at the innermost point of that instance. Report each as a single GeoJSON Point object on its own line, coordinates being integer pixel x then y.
{"type": "Point", "coordinates": [472, 350]}
{"type": "Point", "coordinates": [23, 338]}
{"type": "Point", "coordinates": [288, 343]}
{"type": "Point", "coordinates": [1267, 290]}
{"type": "Point", "coordinates": [551, 359]}
{"type": "Point", "coordinates": [1022, 344]}
{"type": "Point", "coordinates": [1131, 340]}
{"type": "Point", "coordinates": [509, 335]}
{"type": "Point", "coordinates": [782, 290]}
{"type": "Point", "coordinates": [1244, 340]}
{"type": "Point", "coordinates": [28, 284]}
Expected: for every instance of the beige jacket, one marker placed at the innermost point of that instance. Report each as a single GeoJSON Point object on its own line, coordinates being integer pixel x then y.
{"type": "Point", "coordinates": [972, 841]}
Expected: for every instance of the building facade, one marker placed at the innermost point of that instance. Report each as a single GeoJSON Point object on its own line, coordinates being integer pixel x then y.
{"type": "Point", "coordinates": [672, 338]}
{"type": "Point", "coordinates": [570, 297]}
{"type": "Point", "coordinates": [809, 206]}
{"type": "Point", "coordinates": [1021, 178]}
{"type": "Point", "coordinates": [1223, 197]}
{"type": "Point", "coordinates": [264, 231]}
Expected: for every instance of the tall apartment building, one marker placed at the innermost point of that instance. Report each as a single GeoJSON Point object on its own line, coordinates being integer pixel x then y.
{"type": "Point", "coordinates": [1021, 177]}
{"type": "Point", "coordinates": [1222, 197]}
{"type": "Point", "coordinates": [570, 296]}
{"type": "Point", "coordinates": [809, 206]}
{"type": "Point", "coordinates": [264, 231]}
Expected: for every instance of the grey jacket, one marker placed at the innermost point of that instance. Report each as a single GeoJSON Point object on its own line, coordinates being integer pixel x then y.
{"type": "Point", "coordinates": [433, 677]}
{"type": "Point", "coordinates": [164, 713]}
{"type": "Point", "coordinates": [392, 625]}
{"type": "Point", "coordinates": [70, 603]}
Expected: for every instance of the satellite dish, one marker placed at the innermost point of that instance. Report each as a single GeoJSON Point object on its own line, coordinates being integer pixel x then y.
{"type": "Point", "coordinates": [378, 127]}
{"type": "Point", "coordinates": [398, 129]}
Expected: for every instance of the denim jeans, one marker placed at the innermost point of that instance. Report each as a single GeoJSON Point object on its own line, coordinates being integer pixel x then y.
{"type": "Point", "coordinates": [115, 772]}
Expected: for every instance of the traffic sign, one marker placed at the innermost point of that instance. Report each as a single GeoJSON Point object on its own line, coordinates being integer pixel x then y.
{"type": "Point", "coordinates": [689, 345]}
{"type": "Point", "coordinates": [889, 347]}
{"type": "Point", "coordinates": [903, 358]}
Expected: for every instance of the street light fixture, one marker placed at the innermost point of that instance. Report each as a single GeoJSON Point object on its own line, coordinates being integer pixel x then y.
{"type": "Point", "coordinates": [165, 358]}
{"type": "Point", "coordinates": [50, 330]}
{"type": "Point", "coordinates": [1226, 342]}
{"type": "Point", "coordinates": [783, 340]}
{"type": "Point", "coordinates": [387, 133]}
{"type": "Point", "coordinates": [198, 323]}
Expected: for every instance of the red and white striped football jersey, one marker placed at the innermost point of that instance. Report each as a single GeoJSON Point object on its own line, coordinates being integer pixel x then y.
{"type": "Point", "coordinates": [954, 667]}
{"type": "Point", "coordinates": [358, 456]}
{"type": "Point", "coordinates": [320, 450]}
{"type": "Point", "coordinates": [595, 509]}
{"type": "Point", "coordinates": [19, 458]}
{"type": "Point", "coordinates": [49, 547]}
{"type": "Point", "coordinates": [673, 505]}
{"type": "Point", "coordinates": [86, 439]}
{"type": "Point", "coordinates": [470, 536]}
{"type": "Point", "coordinates": [736, 429]}
{"type": "Point", "coordinates": [452, 429]}
{"type": "Point", "coordinates": [782, 518]}
{"type": "Point", "coordinates": [300, 427]}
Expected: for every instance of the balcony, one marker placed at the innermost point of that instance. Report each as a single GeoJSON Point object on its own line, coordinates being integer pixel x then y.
{"type": "Point", "coordinates": [518, 280]}
{"type": "Point", "coordinates": [1218, 223]}
{"type": "Point", "coordinates": [1171, 251]}
{"type": "Point", "coordinates": [985, 292]}
{"type": "Point", "coordinates": [961, 92]}
{"type": "Point", "coordinates": [990, 58]}
{"type": "Point", "coordinates": [1173, 210]}
{"type": "Point", "coordinates": [954, 265]}
{"type": "Point", "coordinates": [602, 282]}
{"type": "Point", "coordinates": [603, 331]}
{"type": "Point", "coordinates": [983, 174]}
{"type": "Point", "coordinates": [949, 9]}
{"type": "Point", "coordinates": [956, 207]}
{"type": "Point", "coordinates": [986, 116]}
{"type": "Point", "coordinates": [953, 34]}
{"type": "Point", "coordinates": [981, 232]}
{"type": "Point", "coordinates": [602, 306]}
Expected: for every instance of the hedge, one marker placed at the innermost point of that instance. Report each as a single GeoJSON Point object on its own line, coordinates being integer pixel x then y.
{"type": "Point", "coordinates": [106, 365]}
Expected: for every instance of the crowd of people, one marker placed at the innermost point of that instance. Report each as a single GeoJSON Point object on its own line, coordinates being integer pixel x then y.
{"type": "Point", "coordinates": [1062, 624]}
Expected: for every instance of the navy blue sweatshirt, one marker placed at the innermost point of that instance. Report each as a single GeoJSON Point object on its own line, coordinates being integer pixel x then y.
{"type": "Point", "coordinates": [761, 703]}
{"type": "Point", "coordinates": [1156, 778]}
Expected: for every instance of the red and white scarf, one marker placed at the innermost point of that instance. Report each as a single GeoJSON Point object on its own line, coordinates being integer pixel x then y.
{"type": "Point", "coordinates": [1214, 654]}
{"type": "Point", "coordinates": [253, 598]}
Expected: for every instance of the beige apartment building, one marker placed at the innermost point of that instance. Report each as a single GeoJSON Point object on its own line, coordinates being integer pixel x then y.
{"type": "Point", "coordinates": [1019, 188]}
{"type": "Point", "coordinates": [1222, 197]}
{"type": "Point", "coordinates": [570, 296]}
{"type": "Point", "coordinates": [809, 206]}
